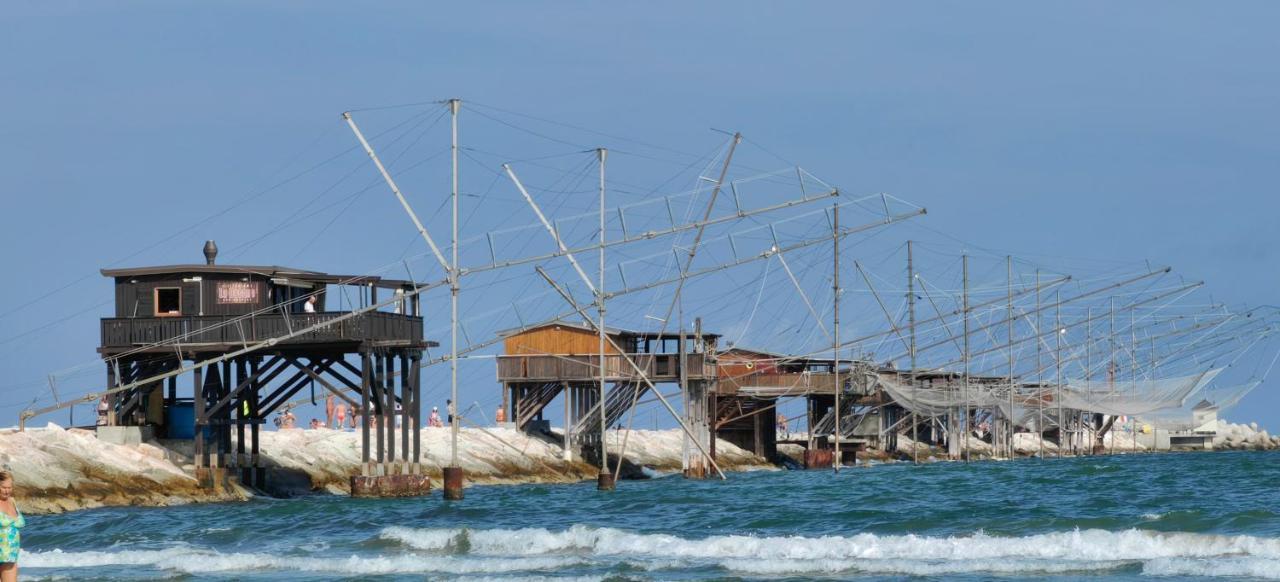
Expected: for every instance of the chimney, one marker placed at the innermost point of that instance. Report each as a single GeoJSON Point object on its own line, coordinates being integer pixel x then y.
{"type": "Point", "coordinates": [210, 252]}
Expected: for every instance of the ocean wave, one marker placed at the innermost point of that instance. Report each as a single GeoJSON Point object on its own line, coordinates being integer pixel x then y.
{"type": "Point", "coordinates": [1062, 552]}
{"type": "Point", "coordinates": [1265, 568]}
{"type": "Point", "coordinates": [190, 560]}
{"type": "Point", "coordinates": [539, 551]}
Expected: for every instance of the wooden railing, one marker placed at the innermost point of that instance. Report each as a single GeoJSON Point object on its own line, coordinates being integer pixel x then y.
{"type": "Point", "coordinates": [585, 368]}
{"type": "Point", "coordinates": [788, 383]}
{"type": "Point", "coordinates": [123, 332]}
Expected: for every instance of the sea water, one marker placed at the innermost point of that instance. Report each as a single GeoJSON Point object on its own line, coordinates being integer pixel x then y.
{"type": "Point", "coordinates": [1139, 517]}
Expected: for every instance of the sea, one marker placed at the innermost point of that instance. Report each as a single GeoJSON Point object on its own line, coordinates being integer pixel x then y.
{"type": "Point", "coordinates": [1128, 517]}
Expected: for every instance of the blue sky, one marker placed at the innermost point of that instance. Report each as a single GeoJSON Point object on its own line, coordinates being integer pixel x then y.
{"type": "Point", "coordinates": [1140, 131]}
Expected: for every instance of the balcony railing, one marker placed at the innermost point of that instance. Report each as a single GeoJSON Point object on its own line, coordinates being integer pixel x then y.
{"type": "Point", "coordinates": [586, 368]}
{"type": "Point", "coordinates": [766, 384]}
{"type": "Point", "coordinates": [123, 332]}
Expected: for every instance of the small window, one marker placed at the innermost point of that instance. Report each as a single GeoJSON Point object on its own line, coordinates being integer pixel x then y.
{"type": "Point", "coordinates": [168, 301]}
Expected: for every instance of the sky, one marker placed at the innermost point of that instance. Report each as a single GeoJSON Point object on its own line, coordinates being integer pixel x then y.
{"type": "Point", "coordinates": [1142, 131]}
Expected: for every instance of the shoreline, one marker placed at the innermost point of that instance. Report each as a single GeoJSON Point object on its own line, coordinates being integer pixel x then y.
{"type": "Point", "coordinates": [58, 470]}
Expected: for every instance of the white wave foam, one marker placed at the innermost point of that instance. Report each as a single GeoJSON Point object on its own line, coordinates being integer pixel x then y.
{"type": "Point", "coordinates": [537, 550]}
{"type": "Point", "coordinates": [1095, 545]}
{"type": "Point", "coordinates": [197, 561]}
{"type": "Point", "coordinates": [1264, 568]}
{"type": "Point", "coordinates": [914, 568]}
{"type": "Point", "coordinates": [1087, 550]}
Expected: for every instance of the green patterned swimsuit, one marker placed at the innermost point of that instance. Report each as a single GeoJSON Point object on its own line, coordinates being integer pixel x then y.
{"type": "Point", "coordinates": [10, 537]}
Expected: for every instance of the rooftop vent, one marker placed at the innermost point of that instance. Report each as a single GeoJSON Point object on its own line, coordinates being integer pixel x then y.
{"type": "Point", "coordinates": [210, 252]}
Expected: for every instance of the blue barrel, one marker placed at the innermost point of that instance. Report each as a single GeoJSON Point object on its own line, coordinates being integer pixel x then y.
{"type": "Point", "coordinates": [181, 420]}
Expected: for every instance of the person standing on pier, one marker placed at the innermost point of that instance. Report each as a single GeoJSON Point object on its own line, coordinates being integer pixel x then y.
{"type": "Point", "coordinates": [310, 305]}
{"type": "Point", "coordinates": [500, 416]}
{"type": "Point", "coordinates": [11, 524]}
{"type": "Point", "coordinates": [330, 406]}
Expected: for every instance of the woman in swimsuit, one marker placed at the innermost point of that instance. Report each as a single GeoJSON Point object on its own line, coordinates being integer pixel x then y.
{"type": "Point", "coordinates": [11, 522]}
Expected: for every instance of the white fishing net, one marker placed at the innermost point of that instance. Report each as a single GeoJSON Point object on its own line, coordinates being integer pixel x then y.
{"type": "Point", "coordinates": [1029, 403]}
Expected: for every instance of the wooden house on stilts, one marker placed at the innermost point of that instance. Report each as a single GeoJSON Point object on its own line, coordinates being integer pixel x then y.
{"type": "Point", "coordinates": [248, 339]}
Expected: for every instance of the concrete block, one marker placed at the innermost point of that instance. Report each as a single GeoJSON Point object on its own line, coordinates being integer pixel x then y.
{"type": "Point", "coordinates": [125, 435]}
{"type": "Point", "coordinates": [390, 486]}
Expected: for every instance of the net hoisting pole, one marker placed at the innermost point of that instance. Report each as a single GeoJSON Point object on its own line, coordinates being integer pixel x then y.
{"type": "Point", "coordinates": [1152, 374]}
{"type": "Point", "coordinates": [964, 386]}
{"type": "Point", "coordinates": [386, 176]}
{"type": "Point", "coordinates": [1133, 380]}
{"type": "Point", "coordinates": [1112, 368]}
{"type": "Point", "coordinates": [453, 286]}
{"type": "Point", "coordinates": [1009, 299]}
{"type": "Point", "coordinates": [604, 480]}
{"type": "Point", "coordinates": [550, 229]}
{"type": "Point", "coordinates": [453, 481]}
{"type": "Point", "coordinates": [835, 325]}
{"type": "Point", "coordinates": [911, 322]}
{"type": "Point", "coordinates": [1039, 372]}
{"type": "Point", "coordinates": [1058, 331]}
{"type": "Point", "coordinates": [1088, 364]}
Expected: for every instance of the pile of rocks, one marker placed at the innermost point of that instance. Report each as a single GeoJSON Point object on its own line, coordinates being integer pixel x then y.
{"type": "Point", "coordinates": [1244, 437]}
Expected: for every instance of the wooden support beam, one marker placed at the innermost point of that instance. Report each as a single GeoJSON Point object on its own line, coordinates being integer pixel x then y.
{"type": "Point", "coordinates": [328, 364]}
{"type": "Point", "coordinates": [248, 380]}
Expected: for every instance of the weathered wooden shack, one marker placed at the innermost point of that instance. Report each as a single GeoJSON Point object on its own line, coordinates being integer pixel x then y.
{"type": "Point", "coordinates": [175, 317]}
{"type": "Point", "coordinates": [542, 362]}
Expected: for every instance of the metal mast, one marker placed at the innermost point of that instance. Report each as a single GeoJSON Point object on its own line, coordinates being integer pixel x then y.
{"type": "Point", "coordinates": [964, 386]}
{"type": "Point", "coordinates": [453, 482]}
{"type": "Point", "coordinates": [604, 481]}
{"type": "Point", "coordinates": [1112, 369]}
{"type": "Point", "coordinates": [1058, 331]}
{"type": "Point", "coordinates": [1133, 378]}
{"type": "Point", "coordinates": [1011, 428]}
{"type": "Point", "coordinates": [835, 324]}
{"type": "Point", "coordinates": [911, 321]}
{"type": "Point", "coordinates": [1088, 369]}
{"type": "Point", "coordinates": [1039, 369]}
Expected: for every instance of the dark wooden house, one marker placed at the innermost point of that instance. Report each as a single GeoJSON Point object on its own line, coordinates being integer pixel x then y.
{"type": "Point", "coordinates": [250, 338]}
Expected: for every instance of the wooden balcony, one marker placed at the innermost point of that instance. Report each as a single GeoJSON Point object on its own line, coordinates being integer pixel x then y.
{"type": "Point", "coordinates": [586, 368]}
{"type": "Point", "coordinates": [227, 331]}
{"type": "Point", "coordinates": [780, 384]}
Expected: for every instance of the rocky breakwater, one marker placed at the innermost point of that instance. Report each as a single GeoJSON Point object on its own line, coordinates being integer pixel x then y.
{"type": "Point", "coordinates": [58, 469]}
{"type": "Point", "coordinates": [1244, 437]}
